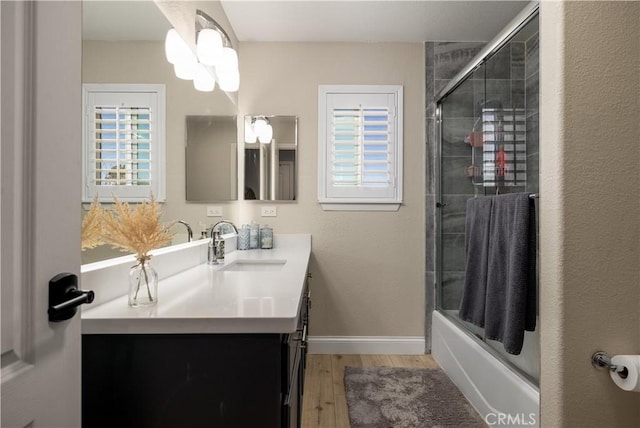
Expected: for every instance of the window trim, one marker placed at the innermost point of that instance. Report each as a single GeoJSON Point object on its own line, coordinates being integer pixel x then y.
{"type": "Point", "coordinates": [158, 174]}
{"type": "Point", "coordinates": [391, 203]}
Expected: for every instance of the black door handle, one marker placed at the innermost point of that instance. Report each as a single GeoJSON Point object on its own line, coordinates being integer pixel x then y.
{"type": "Point", "coordinates": [64, 297]}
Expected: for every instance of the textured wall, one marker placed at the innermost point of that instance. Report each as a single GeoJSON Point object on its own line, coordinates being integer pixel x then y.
{"type": "Point", "coordinates": [368, 267]}
{"type": "Point", "coordinates": [590, 189]}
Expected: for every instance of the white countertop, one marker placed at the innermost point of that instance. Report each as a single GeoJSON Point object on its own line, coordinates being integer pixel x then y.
{"type": "Point", "coordinates": [209, 299]}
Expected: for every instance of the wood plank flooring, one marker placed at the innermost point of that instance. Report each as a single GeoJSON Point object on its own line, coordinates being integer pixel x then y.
{"type": "Point", "coordinates": [325, 405]}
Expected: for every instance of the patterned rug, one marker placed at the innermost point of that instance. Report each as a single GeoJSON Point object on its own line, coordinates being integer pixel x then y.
{"type": "Point", "coordinates": [385, 397]}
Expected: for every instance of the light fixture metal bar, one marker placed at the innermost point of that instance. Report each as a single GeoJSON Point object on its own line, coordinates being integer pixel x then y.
{"type": "Point", "coordinates": [205, 21]}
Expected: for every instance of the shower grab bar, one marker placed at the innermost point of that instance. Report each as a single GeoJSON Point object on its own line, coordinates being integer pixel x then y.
{"type": "Point", "coordinates": [601, 360]}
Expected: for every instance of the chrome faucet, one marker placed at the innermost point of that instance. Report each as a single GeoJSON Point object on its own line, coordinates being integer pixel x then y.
{"type": "Point", "coordinates": [189, 230]}
{"type": "Point", "coordinates": [214, 234]}
{"type": "Point", "coordinates": [219, 226]}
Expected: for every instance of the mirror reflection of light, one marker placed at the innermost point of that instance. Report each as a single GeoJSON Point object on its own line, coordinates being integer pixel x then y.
{"type": "Point", "coordinates": [250, 136]}
{"type": "Point", "coordinates": [266, 135]}
{"type": "Point", "coordinates": [262, 129]}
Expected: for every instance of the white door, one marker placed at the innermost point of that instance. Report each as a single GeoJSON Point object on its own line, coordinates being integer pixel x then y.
{"type": "Point", "coordinates": [39, 209]}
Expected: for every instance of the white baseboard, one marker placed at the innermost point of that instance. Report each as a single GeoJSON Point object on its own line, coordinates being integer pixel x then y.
{"type": "Point", "coordinates": [384, 345]}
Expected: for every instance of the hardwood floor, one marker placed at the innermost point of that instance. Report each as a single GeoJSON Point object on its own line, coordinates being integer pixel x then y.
{"type": "Point", "coordinates": [325, 405]}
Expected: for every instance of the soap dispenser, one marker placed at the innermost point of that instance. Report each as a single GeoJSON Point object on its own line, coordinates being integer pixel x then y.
{"type": "Point", "coordinates": [266, 237]}
{"type": "Point", "coordinates": [254, 236]}
{"type": "Point", "coordinates": [243, 237]}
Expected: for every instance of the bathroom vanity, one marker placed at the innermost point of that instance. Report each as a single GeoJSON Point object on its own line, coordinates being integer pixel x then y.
{"type": "Point", "coordinates": [225, 346]}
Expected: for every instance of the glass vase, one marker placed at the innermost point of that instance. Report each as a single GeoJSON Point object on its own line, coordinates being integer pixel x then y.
{"type": "Point", "coordinates": [143, 284]}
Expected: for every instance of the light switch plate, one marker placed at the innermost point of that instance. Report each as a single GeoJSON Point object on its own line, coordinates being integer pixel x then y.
{"type": "Point", "coordinates": [213, 211]}
{"type": "Point", "coordinates": [269, 211]}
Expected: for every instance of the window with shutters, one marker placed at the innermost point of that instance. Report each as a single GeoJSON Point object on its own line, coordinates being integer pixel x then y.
{"type": "Point", "coordinates": [360, 147]}
{"type": "Point", "coordinates": [124, 142]}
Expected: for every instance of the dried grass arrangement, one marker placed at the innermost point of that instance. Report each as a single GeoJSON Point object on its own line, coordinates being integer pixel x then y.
{"type": "Point", "coordinates": [92, 225]}
{"type": "Point", "coordinates": [138, 230]}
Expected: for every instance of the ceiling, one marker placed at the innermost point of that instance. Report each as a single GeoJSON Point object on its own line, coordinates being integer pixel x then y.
{"type": "Point", "coordinates": [123, 20]}
{"type": "Point", "coordinates": [317, 20]}
{"type": "Point", "coordinates": [368, 21]}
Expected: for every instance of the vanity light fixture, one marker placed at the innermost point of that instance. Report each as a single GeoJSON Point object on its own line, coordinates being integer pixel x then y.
{"type": "Point", "coordinates": [215, 51]}
{"type": "Point", "coordinates": [204, 80]}
{"type": "Point", "coordinates": [214, 60]}
{"type": "Point", "coordinates": [175, 48]}
{"type": "Point", "coordinates": [209, 46]}
{"type": "Point", "coordinates": [186, 67]}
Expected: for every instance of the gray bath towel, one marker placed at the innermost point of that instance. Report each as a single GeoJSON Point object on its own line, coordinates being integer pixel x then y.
{"type": "Point", "coordinates": [472, 305]}
{"type": "Point", "coordinates": [510, 306]}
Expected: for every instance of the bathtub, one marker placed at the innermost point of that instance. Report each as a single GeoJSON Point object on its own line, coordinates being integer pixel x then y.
{"type": "Point", "coordinates": [500, 395]}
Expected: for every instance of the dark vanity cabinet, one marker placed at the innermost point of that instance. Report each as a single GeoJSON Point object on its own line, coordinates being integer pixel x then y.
{"type": "Point", "coordinates": [194, 380]}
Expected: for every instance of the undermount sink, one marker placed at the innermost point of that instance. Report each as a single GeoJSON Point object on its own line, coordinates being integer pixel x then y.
{"type": "Point", "coordinates": [271, 265]}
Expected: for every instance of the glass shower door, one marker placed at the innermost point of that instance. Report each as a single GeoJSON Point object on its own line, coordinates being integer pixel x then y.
{"type": "Point", "coordinates": [488, 144]}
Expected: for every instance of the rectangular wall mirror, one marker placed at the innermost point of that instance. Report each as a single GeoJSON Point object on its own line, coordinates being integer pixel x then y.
{"type": "Point", "coordinates": [270, 158]}
{"type": "Point", "coordinates": [116, 50]}
{"type": "Point", "coordinates": [211, 158]}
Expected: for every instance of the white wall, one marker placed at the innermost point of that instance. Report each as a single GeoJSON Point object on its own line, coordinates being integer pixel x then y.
{"type": "Point", "coordinates": [590, 208]}
{"type": "Point", "coordinates": [368, 268]}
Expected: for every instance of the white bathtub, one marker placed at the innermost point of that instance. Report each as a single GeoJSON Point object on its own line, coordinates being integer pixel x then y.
{"type": "Point", "coordinates": [503, 398]}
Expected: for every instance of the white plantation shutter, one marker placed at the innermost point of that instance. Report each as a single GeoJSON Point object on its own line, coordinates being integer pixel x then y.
{"type": "Point", "coordinates": [124, 142]}
{"type": "Point", "coordinates": [121, 154]}
{"type": "Point", "coordinates": [360, 145]}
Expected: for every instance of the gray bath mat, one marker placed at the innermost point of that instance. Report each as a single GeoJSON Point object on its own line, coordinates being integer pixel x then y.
{"type": "Point", "coordinates": [386, 397]}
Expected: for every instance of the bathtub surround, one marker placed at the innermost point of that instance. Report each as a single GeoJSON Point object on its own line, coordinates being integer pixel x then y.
{"type": "Point", "coordinates": [589, 228]}
{"type": "Point", "coordinates": [475, 370]}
